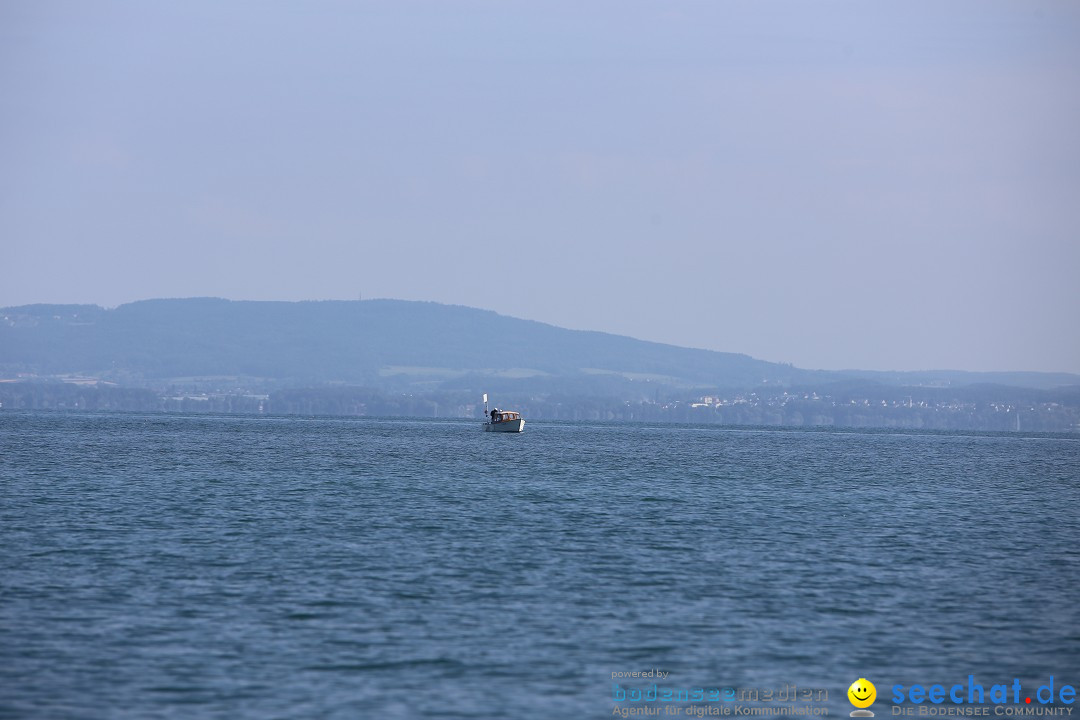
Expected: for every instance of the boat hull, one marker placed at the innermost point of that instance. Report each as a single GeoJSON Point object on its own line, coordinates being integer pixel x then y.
{"type": "Point", "coordinates": [513, 426]}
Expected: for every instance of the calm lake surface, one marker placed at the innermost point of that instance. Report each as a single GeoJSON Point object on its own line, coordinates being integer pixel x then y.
{"type": "Point", "coordinates": [252, 567]}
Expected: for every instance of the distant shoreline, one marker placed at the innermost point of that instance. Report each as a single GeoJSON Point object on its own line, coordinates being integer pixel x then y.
{"type": "Point", "coordinates": [975, 411]}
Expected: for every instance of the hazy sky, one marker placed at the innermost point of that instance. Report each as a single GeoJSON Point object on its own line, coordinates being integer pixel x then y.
{"type": "Point", "coordinates": [882, 185]}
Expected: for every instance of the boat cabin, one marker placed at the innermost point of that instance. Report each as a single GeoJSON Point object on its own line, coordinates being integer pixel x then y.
{"type": "Point", "coordinates": [506, 421]}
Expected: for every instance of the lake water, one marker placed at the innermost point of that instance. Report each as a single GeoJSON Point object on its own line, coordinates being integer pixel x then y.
{"type": "Point", "coordinates": [252, 567]}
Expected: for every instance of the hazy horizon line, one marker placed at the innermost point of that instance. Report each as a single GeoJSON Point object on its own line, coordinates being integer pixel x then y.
{"type": "Point", "coordinates": [846, 369]}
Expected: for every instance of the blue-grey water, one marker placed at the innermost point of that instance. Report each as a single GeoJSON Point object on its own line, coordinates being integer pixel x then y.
{"type": "Point", "coordinates": [254, 567]}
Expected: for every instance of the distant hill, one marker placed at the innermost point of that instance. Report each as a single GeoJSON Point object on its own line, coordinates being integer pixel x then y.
{"type": "Point", "coordinates": [373, 342]}
{"type": "Point", "coordinates": [389, 344]}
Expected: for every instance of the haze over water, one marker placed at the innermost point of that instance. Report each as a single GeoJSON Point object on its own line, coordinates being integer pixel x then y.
{"type": "Point", "coordinates": [212, 566]}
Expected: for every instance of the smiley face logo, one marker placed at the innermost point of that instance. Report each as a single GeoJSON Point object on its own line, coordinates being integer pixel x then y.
{"type": "Point", "coordinates": [862, 693]}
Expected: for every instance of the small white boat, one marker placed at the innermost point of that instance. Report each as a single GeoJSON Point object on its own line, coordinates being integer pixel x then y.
{"type": "Point", "coordinates": [502, 420]}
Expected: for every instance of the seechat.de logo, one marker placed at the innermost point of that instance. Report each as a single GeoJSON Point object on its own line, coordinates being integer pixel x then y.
{"type": "Point", "coordinates": [1007, 698]}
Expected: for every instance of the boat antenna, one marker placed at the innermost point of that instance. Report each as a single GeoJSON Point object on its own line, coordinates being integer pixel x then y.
{"type": "Point", "coordinates": [485, 405]}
